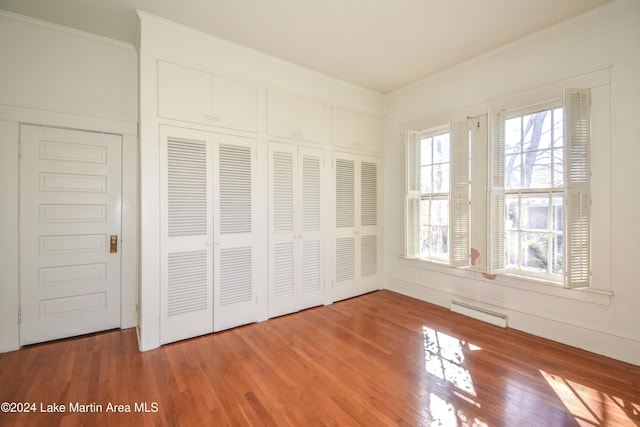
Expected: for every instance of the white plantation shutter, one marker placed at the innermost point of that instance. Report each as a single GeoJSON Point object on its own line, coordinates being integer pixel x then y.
{"type": "Point", "coordinates": [187, 277]}
{"type": "Point", "coordinates": [412, 196]}
{"type": "Point", "coordinates": [496, 202]}
{"type": "Point", "coordinates": [577, 177]}
{"type": "Point", "coordinates": [459, 232]}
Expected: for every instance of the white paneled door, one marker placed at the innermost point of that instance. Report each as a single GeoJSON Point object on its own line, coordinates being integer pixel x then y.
{"type": "Point", "coordinates": [70, 228]}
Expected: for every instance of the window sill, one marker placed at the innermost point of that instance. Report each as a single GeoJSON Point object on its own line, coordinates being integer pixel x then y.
{"type": "Point", "coordinates": [588, 295]}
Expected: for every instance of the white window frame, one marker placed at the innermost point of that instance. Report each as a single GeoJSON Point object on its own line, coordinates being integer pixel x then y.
{"type": "Point", "coordinates": [458, 195]}
{"type": "Point", "coordinates": [483, 269]}
{"type": "Point", "coordinates": [577, 224]}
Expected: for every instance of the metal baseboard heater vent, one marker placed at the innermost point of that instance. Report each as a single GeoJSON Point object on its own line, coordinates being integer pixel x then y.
{"type": "Point", "coordinates": [479, 313]}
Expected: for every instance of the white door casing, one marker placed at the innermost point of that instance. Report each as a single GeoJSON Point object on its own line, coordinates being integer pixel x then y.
{"type": "Point", "coordinates": [70, 210]}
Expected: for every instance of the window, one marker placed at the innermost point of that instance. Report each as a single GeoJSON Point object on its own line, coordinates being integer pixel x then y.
{"type": "Point", "coordinates": [538, 197]}
{"type": "Point", "coordinates": [434, 196]}
{"type": "Point", "coordinates": [539, 223]}
{"type": "Point", "coordinates": [437, 198]}
{"type": "Point", "coordinates": [534, 193]}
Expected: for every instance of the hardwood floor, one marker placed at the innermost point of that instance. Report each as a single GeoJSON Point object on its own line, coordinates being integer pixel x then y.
{"type": "Point", "coordinates": [379, 359]}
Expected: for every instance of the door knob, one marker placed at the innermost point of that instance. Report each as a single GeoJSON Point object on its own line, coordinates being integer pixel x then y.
{"type": "Point", "coordinates": [114, 244]}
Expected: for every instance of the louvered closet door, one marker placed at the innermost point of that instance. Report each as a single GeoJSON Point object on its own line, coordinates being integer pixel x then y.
{"type": "Point", "coordinates": [356, 225]}
{"type": "Point", "coordinates": [186, 241]}
{"type": "Point", "coordinates": [311, 226]}
{"type": "Point", "coordinates": [369, 229]}
{"type": "Point", "coordinates": [295, 234]}
{"type": "Point", "coordinates": [283, 184]}
{"type": "Point", "coordinates": [235, 225]}
{"type": "Point", "coordinates": [345, 281]}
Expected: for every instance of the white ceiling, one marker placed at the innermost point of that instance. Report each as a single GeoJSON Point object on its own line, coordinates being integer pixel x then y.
{"type": "Point", "coordinates": [381, 45]}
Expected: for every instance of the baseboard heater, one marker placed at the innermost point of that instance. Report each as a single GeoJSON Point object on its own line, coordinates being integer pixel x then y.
{"type": "Point", "coordinates": [479, 313]}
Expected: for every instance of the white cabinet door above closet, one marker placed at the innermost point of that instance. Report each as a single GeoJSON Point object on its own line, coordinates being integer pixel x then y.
{"type": "Point", "coordinates": [289, 116]}
{"type": "Point", "coordinates": [195, 96]}
{"type": "Point", "coordinates": [357, 131]}
{"type": "Point", "coordinates": [235, 104]}
{"type": "Point", "coordinates": [296, 228]}
{"type": "Point", "coordinates": [184, 93]}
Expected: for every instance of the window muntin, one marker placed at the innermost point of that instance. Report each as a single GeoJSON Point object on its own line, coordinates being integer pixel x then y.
{"type": "Point", "coordinates": [434, 195]}
{"type": "Point", "coordinates": [534, 193]}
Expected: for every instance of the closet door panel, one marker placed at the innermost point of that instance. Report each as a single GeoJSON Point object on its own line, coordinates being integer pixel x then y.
{"type": "Point", "coordinates": [368, 218]}
{"type": "Point", "coordinates": [282, 229]}
{"type": "Point", "coordinates": [311, 225]}
{"type": "Point", "coordinates": [187, 276]}
{"type": "Point", "coordinates": [357, 243]}
{"type": "Point", "coordinates": [235, 275]}
{"type": "Point", "coordinates": [296, 228]}
{"type": "Point", "coordinates": [345, 279]}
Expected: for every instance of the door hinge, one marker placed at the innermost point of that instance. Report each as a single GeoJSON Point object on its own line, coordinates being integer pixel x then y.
{"type": "Point", "coordinates": [19, 315]}
{"type": "Point", "coordinates": [19, 150]}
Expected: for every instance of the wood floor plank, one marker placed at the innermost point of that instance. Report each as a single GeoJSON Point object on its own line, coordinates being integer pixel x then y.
{"type": "Point", "coordinates": [376, 360]}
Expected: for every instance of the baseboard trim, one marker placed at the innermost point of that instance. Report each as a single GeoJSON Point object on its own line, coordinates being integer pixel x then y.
{"type": "Point", "coordinates": [605, 343]}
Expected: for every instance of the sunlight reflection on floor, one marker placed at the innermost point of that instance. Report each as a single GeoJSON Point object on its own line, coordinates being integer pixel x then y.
{"type": "Point", "coordinates": [592, 407]}
{"type": "Point", "coordinates": [444, 359]}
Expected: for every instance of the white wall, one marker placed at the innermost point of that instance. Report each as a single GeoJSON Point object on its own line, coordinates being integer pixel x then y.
{"type": "Point", "coordinates": [50, 67]}
{"type": "Point", "coordinates": [55, 76]}
{"type": "Point", "coordinates": [603, 322]}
